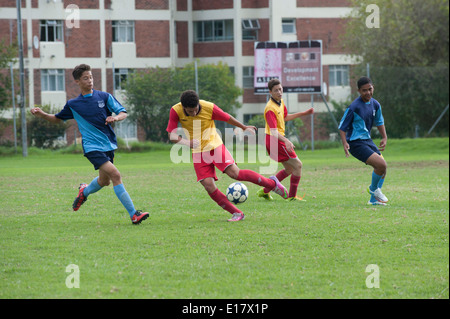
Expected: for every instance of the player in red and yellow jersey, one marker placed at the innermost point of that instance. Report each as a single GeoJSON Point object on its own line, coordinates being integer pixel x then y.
{"type": "Point", "coordinates": [208, 151]}
{"type": "Point", "coordinates": [278, 146]}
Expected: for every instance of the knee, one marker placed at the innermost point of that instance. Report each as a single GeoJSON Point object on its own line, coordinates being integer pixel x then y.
{"type": "Point", "coordinates": [115, 177]}
{"type": "Point", "coordinates": [104, 182]}
{"type": "Point", "coordinates": [381, 167]}
{"type": "Point", "coordinates": [232, 172]}
{"type": "Point", "coordinates": [298, 167]}
{"type": "Point", "coordinates": [210, 187]}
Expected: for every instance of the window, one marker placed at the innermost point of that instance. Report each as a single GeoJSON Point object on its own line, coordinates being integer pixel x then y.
{"type": "Point", "coordinates": [51, 30]}
{"type": "Point", "coordinates": [123, 31]}
{"type": "Point", "coordinates": [247, 77]}
{"type": "Point", "coordinates": [126, 129]}
{"type": "Point", "coordinates": [250, 29]}
{"type": "Point", "coordinates": [120, 77]}
{"type": "Point", "coordinates": [288, 25]}
{"type": "Point", "coordinates": [339, 75]}
{"type": "Point", "coordinates": [217, 30]}
{"type": "Point", "coordinates": [52, 80]}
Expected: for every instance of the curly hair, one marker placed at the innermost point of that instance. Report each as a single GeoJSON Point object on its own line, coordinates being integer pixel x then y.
{"type": "Point", "coordinates": [189, 99]}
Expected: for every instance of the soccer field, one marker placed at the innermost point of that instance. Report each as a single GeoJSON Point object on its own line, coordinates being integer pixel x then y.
{"type": "Point", "coordinates": [331, 246]}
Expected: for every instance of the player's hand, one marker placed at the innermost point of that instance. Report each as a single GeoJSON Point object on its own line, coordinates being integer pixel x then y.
{"type": "Point", "coordinates": [382, 144]}
{"type": "Point", "coordinates": [310, 111]}
{"type": "Point", "coordinates": [36, 111]}
{"type": "Point", "coordinates": [194, 143]}
{"type": "Point", "coordinates": [110, 119]}
{"type": "Point", "coordinates": [289, 146]}
{"type": "Point", "coordinates": [346, 148]}
{"type": "Point", "coordinates": [250, 129]}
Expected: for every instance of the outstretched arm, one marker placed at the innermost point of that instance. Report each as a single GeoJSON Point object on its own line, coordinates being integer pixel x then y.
{"type": "Point", "coordinates": [293, 116]}
{"type": "Point", "coordinates": [36, 111]}
{"type": "Point", "coordinates": [248, 128]}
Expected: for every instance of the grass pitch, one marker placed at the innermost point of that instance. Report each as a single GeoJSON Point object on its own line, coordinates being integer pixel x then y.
{"type": "Point", "coordinates": [187, 249]}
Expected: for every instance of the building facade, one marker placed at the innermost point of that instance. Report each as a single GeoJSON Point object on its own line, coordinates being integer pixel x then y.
{"type": "Point", "coordinates": [117, 37]}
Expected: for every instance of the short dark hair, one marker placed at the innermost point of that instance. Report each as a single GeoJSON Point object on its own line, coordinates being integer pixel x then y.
{"type": "Point", "coordinates": [272, 83]}
{"type": "Point", "coordinates": [79, 70]}
{"type": "Point", "coordinates": [363, 81]}
{"type": "Point", "coordinates": [189, 98]}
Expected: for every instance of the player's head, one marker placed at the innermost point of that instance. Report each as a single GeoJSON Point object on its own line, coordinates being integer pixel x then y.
{"type": "Point", "coordinates": [190, 102]}
{"type": "Point", "coordinates": [79, 70]}
{"type": "Point", "coordinates": [273, 83]}
{"type": "Point", "coordinates": [363, 81]}
{"type": "Point", "coordinates": [83, 77]}
{"type": "Point", "coordinates": [189, 99]}
{"type": "Point", "coordinates": [365, 88]}
{"type": "Point", "coordinates": [275, 89]}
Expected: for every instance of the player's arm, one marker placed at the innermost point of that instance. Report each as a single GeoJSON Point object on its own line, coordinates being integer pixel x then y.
{"type": "Point", "coordinates": [344, 142]}
{"type": "Point", "coordinates": [382, 130]}
{"type": "Point", "coordinates": [173, 135]}
{"type": "Point", "coordinates": [36, 111]}
{"type": "Point", "coordinates": [245, 128]}
{"type": "Point", "coordinates": [178, 139]}
{"type": "Point", "coordinates": [220, 115]}
{"type": "Point", "coordinates": [271, 121]}
{"type": "Point", "coordinates": [119, 117]}
{"type": "Point", "coordinates": [289, 145]}
{"type": "Point", "coordinates": [293, 116]}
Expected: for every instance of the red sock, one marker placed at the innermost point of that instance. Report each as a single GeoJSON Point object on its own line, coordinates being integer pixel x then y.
{"type": "Point", "coordinates": [280, 175]}
{"type": "Point", "coordinates": [295, 180]}
{"type": "Point", "coordinates": [223, 201]}
{"type": "Point", "coordinates": [255, 178]}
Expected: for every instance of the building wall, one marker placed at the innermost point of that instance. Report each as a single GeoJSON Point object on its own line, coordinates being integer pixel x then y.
{"type": "Point", "coordinates": [164, 37]}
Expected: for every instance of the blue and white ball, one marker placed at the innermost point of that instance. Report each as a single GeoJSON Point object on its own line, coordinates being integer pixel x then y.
{"type": "Point", "coordinates": [237, 193]}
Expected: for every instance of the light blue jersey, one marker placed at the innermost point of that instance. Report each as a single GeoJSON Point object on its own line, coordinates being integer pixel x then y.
{"type": "Point", "coordinates": [359, 118]}
{"type": "Point", "coordinates": [90, 111]}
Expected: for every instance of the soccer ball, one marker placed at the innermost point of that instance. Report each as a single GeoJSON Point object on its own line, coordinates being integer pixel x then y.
{"type": "Point", "coordinates": [237, 193]}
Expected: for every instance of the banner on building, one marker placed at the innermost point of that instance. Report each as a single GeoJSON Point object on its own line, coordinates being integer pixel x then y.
{"type": "Point", "coordinates": [298, 65]}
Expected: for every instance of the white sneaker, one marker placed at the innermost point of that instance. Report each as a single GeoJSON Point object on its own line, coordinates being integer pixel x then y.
{"type": "Point", "coordinates": [379, 196]}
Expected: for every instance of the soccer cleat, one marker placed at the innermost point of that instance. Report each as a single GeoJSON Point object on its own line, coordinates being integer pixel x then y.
{"type": "Point", "coordinates": [379, 196]}
{"type": "Point", "coordinates": [80, 199]}
{"type": "Point", "coordinates": [138, 217]}
{"type": "Point", "coordinates": [376, 203]}
{"type": "Point", "coordinates": [297, 199]}
{"type": "Point", "coordinates": [279, 188]}
{"type": "Point", "coordinates": [266, 196]}
{"type": "Point", "coordinates": [237, 217]}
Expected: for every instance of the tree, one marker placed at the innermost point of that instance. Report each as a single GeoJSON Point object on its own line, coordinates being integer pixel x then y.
{"type": "Point", "coordinates": [410, 32]}
{"type": "Point", "coordinates": [152, 92]}
{"type": "Point", "coordinates": [408, 55]}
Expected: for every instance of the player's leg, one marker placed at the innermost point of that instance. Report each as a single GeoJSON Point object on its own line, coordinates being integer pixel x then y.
{"type": "Point", "coordinates": [97, 159]}
{"type": "Point", "coordinates": [367, 152]}
{"type": "Point", "coordinates": [109, 171]}
{"type": "Point", "coordinates": [251, 176]}
{"type": "Point", "coordinates": [378, 175]}
{"type": "Point", "coordinates": [295, 166]}
{"type": "Point", "coordinates": [221, 200]}
{"type": "Point", "coordinates": [281, 175]}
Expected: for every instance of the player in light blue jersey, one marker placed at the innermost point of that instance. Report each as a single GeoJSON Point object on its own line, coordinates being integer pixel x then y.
{"type": "Point", "coordinates": [93, 111]}
{"type": "Point", "coordinates": [355, 127]}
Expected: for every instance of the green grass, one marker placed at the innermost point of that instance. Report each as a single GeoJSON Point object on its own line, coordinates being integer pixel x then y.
{"type": "Point", "coordinates": [186, 249]}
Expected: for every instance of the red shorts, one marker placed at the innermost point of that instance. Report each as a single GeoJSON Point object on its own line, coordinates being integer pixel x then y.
{"type": "Point", "coordinates": [279, 153]}
{"type": "Point", "coordinates": [205, 162]}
